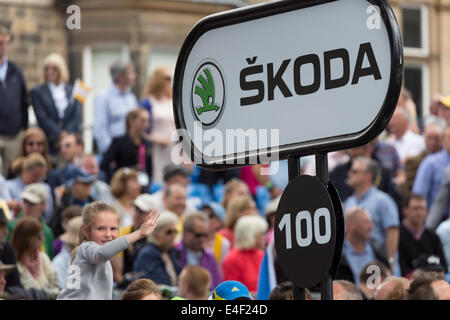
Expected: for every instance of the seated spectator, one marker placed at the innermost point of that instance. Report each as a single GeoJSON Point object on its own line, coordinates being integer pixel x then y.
{"type": "Point", "coordinates": [123, 262]}
{"type": "Point", "coordinates": [33, 170]}
{"type": "Point", "coordinates": [345, 290]}
{"type": "Point", "coordinates": [444, 108]}
{"type": "Point", "coordinates": [285, 291]}
{"type": "Point", "coordinates": [71, 151]}
{"type": "Point", "coordinates": [34, 198]}
{"type": "Point", "coordinates": [7, 255]}
{"type": "Point", "coordinates": [76, 192]}
{"type": "Point", "coordinates": [55, 111]}
{"type": "Point", "coordinates": [112, 105]}
{"type": "Point", "coordinates": [430, 264]}
{"type": "Point", "coordinates": [393, 288]}
{"type": "Point", "coordinates": [70, 240]}
{"type": "Point", "coordinates": [234, 187]}
{"type": "Point", "coordinates": [142, 289]}
{"type": "Point", "coordinates": [231, 290]}
{"type": "Point", "coordinates": [370, 278]}
{"type": "Point", "coordinates": [131, 150]}
{"type": "Point", "coordinates": [158, 260]}
{"type": "Point", "coordinates": [195, 282]}
{"type": "Point", "coordinates": [33, 141]}
{"type": "Point", "coordinates": [407, 143]}
{"type": "Point", "coordinates": [174, 174]}
{"type": "Point", "coordinates": [238, 207]}
{"type": "Point", "coordinates": [428, 287]}
{"type": "Point", "coordinates": [191, 248]}
{"type": "Point", "coordinates": [415, 239]}
{"type": "Point", "coordinates": [357, 251]}
{"type": "Point", "coordinates": [67, 215]}
{"type": "Point", "coordinates": [35, 268]}
{"type": "Point", "coordinates": [244, 261]}
{"type": "Point", "coordinates": [125, 188]}
{"type": "Point", "coordinates": [100, 190]}
{"type": "Point", "coordinates": [431, 171]}
{"type": "Point", "coordinates": [381, 207]}
{"type": "Point", "coordinates": [215, 242]}
{"type": "Point", "coordinates": [433, 135]}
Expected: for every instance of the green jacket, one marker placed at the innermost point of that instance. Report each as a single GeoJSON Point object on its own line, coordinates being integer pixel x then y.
{"type": "Point", "coordinates": [48, 235]}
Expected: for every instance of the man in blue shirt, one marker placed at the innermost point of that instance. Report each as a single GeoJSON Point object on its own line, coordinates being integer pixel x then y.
{"type": "Point", "coordinates": [431, 170]}
{"type": "Point", "coordinates": [358, 251]}
{"type": "Point", "coordinates": [382, 209]}
{"type": "Point", "coordinates": [112, 105]}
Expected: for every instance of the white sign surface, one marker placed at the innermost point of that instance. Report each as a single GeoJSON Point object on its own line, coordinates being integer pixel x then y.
{"type": "Point", "coordinates": [318, 76]}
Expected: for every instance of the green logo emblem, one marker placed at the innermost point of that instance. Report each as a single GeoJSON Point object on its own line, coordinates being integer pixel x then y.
{"type": "Point", "coordinates": [208, 93]}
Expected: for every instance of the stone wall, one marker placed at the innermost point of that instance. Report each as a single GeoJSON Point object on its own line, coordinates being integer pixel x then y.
{"type": "Point", "coordinates": [38, 29]}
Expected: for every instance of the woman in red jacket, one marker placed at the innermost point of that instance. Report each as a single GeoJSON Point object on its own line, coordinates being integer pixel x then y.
{"type": "Point", "coordinates": [244, 261]}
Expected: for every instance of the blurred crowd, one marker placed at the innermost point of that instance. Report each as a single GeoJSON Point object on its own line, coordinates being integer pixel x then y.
{"type": "Point", "coordinates": [214, 236]}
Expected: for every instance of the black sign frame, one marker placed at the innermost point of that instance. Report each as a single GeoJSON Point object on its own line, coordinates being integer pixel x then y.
{"type": "Point", "coordinates": [306, 147]}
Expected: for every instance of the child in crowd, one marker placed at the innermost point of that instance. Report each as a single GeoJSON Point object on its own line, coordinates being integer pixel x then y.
{"type": "Point", "coordinates": [90, 275]}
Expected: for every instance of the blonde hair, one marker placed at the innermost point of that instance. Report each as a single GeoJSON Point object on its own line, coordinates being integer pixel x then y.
{"type": "Point", "coordinates": [198, 280]}
{"type": "Point", "coordinates": [235, 207]}
{"type": "Point", "coordinates": [247, 230]}
{"type": "Point", "coordinates": [56, 60]}
{"type": "Point", "coordinates": [230, 186]}
{"type": "Point", "coordinates": [119, 181]}
{"type": "Point", "coordinates": [166, 218]}
{"type": "Point", "coordinates": [29, 133]}
{"type": "Point", "coordinates": [156, 84]}
{"type": "Point", "coordinates": [90, 212]}
{"type": "Point", "coordinates": [30, 162]}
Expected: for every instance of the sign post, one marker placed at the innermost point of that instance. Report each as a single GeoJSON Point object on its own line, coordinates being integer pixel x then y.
{"type": "Point", "coordinates": [287, 79]}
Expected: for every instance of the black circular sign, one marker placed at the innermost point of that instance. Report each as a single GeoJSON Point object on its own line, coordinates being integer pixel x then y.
{"type": "Point", "coordinates": [305, 231]}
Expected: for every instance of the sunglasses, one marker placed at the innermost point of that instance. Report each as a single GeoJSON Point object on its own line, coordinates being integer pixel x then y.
{"type": "Point", "coordinates": [199, 235]}
{"type": "Point", "coordinates": [171, 232]}
{"type": "Point", "coordinates": [37, 143]}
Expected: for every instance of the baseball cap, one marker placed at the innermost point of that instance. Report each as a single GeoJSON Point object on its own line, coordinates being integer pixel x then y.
{"type": "Point", "coordinates": [78, 174]}
{"type": "Point", "coordinates": [217, 208]}
{"type": "Point", "coordinates": [231, 290]}
{"type": "Point", "coordinates": [145, 202]}
{"type": "Point", "coordinates": [446, 101]}
{"type": "Point", "coordinates": [428, 263]}
{"type": "Point", "coordinates": [172, 170]}
{"type": "Point", "coordinates": [35, 193]}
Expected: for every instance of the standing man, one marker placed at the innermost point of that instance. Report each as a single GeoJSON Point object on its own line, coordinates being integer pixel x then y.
{"type": "Point", "coordinates": [13, 105]}
{"type": "Point", "coordinates": [112, 105]}
{"type": "Point", "coordinates": [382, 209]}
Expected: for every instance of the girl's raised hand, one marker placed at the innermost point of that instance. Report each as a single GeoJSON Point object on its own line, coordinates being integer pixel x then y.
{"type": "Point", "coordinates": [149, 223]}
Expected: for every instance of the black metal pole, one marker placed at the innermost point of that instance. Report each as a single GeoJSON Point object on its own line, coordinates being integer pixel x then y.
{"type": "Point", "coordinates": [326, 285]}
{"type": "Point", "coordinates": [294, 171]}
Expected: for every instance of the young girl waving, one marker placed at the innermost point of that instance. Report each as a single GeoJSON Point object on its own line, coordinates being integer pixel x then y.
{"type": "Point", "coordinates": [90, 275]}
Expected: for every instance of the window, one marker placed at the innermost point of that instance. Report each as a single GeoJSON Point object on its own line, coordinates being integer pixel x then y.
{"type": "Point", "coordinates": [415, 30]}
{"type": "Point", "coordinates": [96, 62]}
{"type": "Point", "coordinates": [162, 57]}
{"type": "Point", "coordinates": [416, 80]}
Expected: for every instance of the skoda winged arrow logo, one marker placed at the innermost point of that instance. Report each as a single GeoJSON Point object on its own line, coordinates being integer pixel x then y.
{"type": "Point", "coordinates": [208, 93]}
